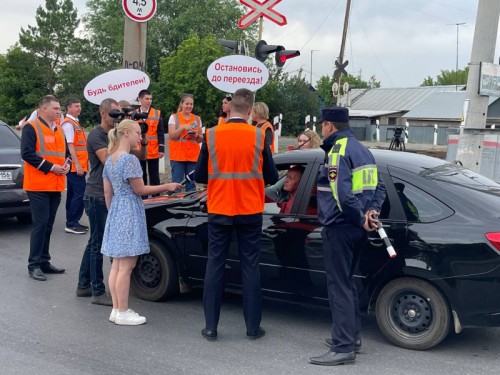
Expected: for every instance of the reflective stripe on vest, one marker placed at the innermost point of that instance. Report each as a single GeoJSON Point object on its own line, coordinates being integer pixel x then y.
{"type": "Point", "coordinates": [51, 147]}
{"type": "Point", "coordinates": [80, 144]}
{"type": "Point", "coordinates": [264, 126]}
{"type": "Point", "coordinates": [197, 121]}
{"type": "Point", "coordinates": [363, 178]}
{"type": "Point", "coordinates": [217, 174]}
{"type": "Point", "coordinates": [43, 151]}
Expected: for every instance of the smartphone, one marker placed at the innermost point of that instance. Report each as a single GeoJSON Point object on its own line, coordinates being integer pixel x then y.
{"type": "Point", "coordinates": [68, 161]}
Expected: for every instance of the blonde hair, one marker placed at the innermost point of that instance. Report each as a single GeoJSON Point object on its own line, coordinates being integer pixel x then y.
{"type": "Point", "coordinates": [262, 110]}
{"type": "Point", "coordinates": [183, 98]}
{"type": "Point", "coordinates": [124, 103]}
{"type": "Point", "coordinates": [314, 138]}
{"type": "Point", "coordinates": [115, 134]}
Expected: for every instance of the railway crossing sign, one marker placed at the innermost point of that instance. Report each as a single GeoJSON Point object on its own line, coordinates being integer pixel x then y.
{"type": "Point", "coordinates": [139, 10]}
{"type": "Point", "coordinates": [261, 9]}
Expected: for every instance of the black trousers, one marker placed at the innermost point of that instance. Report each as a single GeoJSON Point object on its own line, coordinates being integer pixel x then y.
{"type": "Point", "coordinates": [151, 168]}
{"type": "Point", "coordinates": [219, 239]}
{"type": "Point", "coordinates": [43, 213]}
{"type": "Point", "coordinates": [342, 245]}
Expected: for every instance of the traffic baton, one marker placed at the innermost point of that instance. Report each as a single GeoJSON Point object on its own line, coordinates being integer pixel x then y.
{"type": "Point", "coordinates": [387, 242]}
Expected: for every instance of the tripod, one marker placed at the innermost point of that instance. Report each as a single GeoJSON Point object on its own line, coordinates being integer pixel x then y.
{"type": "Point", "coordinates": [397, 142]}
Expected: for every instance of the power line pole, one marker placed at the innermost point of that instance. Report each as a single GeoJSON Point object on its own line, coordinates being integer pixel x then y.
{"type": "Point", "coordinates": [311, 72]}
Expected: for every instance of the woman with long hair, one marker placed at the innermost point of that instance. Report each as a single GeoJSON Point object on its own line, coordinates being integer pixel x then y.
{"type": "Point", "coordinates": [184, 134]}
{"type": "Point", "coordinates": [225, 113]}
{"type": "Point", "coordinates": [125, 234]}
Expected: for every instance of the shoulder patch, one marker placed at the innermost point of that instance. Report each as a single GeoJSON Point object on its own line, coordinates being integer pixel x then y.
{"type": "Point", "coordinates": [332, 173]}
{"type": "Point", "coordinates": [336, 147]}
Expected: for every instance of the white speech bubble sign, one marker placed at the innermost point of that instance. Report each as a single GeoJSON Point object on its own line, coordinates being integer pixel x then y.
{"type": "Point", "coordinates": [120, 84]}
{"type": "Point", "coordinates": [230, 73]}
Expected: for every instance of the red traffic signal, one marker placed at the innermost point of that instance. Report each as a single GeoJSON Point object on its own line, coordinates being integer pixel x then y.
{"type": "Point", "coordinates": [283, 55]}
{"type": "Point", "coordinates": [262, 50]}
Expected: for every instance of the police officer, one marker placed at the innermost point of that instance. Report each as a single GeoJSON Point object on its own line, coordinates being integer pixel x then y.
{"type": "Point", "coordinates": [350, 195]}
{"type": "Point", "coordinates": [237, 163]}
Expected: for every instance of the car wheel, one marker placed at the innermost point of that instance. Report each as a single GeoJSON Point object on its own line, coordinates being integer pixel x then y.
{"type": "Point", "coordinates": [24, 219]}
{"type": "Point", "coordinates": [413, 314]}
{"type": "Point", "coordinates": [155, 276]}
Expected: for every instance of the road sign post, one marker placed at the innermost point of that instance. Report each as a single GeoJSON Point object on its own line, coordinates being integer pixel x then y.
{"type": "Point", "coordinates": [137, 12]}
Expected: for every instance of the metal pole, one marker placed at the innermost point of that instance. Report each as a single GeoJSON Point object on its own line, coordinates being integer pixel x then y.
{"type": "Point", "coordinates": [261, 27]}
{"type": "Point", "coordinates": [344, 36]}
{"type": "Point", "coordinates": [456, 64]}
{"type": "Point", "coordinates": [311, 72]}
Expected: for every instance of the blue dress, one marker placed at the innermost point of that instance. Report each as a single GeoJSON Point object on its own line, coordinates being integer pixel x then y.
{"type": "Point", "coordinates": [125, 233]}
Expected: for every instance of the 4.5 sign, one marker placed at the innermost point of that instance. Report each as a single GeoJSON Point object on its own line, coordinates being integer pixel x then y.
{"type": "Point", "coordinates": [139, 10]}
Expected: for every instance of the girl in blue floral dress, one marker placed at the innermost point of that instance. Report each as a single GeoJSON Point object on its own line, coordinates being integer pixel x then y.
{"type": "Point", "coordinates": [125, 235]}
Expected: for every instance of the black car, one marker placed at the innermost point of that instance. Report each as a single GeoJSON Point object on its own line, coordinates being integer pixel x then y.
{"type": "Point", "coordinates": [442, 219]}
{"type": "Point", "coordinates": [13, 199]}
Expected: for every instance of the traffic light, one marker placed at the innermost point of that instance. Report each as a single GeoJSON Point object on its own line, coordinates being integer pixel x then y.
{"type": "Point", "coordinates": [262, 50]}
{"type": "Point", "coordinates": [284, 54]}
{"type": "Point", "coordinates": [240, 48]}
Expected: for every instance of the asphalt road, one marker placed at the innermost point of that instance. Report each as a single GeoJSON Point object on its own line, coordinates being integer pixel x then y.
{"type": "Point", "coordinates": [46, 329]}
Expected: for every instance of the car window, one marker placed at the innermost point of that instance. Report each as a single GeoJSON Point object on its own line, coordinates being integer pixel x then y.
{"type": "Point", "coordinates": [419, 206]}
{"type": "Point", "coordinates": [278, 200]}
{"type": "Point", "coordinates": [8, 139]}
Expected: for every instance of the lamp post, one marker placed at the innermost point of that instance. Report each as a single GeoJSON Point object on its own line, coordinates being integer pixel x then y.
{"type": "Point", "coordinates": [456, 61]}
{"type": "Point", "coordinates": [311, 72]}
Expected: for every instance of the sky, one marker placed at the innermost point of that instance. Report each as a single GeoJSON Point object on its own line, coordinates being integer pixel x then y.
{"type": "Point", "coordinates": [400, 42]}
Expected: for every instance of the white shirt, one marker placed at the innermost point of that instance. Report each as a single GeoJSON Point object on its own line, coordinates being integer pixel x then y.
{"type": "Point", "coordinates": [68, 130]}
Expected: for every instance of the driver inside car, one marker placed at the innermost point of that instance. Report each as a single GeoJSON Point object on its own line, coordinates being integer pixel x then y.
{"type": "Point", "coordinates": [283, 192]}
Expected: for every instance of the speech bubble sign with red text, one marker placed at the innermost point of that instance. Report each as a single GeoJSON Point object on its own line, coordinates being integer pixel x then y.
{"type": "Point", "coordinates": [120, 84]}
{"type": "Point", "coordinates": [230, 73]}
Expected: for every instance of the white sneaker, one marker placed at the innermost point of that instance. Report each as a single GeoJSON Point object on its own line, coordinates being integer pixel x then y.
{"type": "Point", "coordinates": [112, 316]}
{"type": "Point", "coordinates": [129, 318]}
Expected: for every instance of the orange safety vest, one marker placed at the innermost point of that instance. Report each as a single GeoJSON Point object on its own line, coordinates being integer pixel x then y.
{"type": "Point", "coordinates": [264, 126]}
{"type": "Point", "coordinates": [50, 146]}
{"type": "Point", "coordinates": [235, 180]}
{"type": "Point", "coordinates": [152, 135]}
{"type": "Point", "coordinates": [80, 144]}
{"type": "Point", "coordinates": [222, 120]}
{"type": "Point", "coordinates": [186, 148]}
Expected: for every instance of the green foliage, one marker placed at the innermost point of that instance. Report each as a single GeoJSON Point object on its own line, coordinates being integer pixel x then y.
{"type": "Point", "coordinates": [22, 84]}
{"type": "Point", "coordinates": [184, 71]}
{"type": "Point", "coordinates": [174, 21]}
{"type": "Point", "coordinates": [324, 86]}
{"type": "Point", "coordinates": [448, 77]}
{"type": "Point", "coordinates": [52, 42]}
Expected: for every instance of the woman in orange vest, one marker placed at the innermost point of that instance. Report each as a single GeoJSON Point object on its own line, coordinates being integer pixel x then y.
{"type": "Point", "coordinates": [225, 113]}
{"type": "Point", "coordinates": [184, 134]}
{"type": "Point", "coordinates": [260, 114]}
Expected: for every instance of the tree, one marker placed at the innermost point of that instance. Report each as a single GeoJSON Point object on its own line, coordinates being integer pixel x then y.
{"type": "Point", "coordinates": [448, 77]}
{"type": "Point", "coordinates": [174, 21]}
{"type": "Point", "coordinates": [184, 71]}
{"type": "Point", "coordinates": [22, 84]}
{"type": "Point", "coordinates": [324, 85]}
{"type": "Point", "coordinates": [52, 42]}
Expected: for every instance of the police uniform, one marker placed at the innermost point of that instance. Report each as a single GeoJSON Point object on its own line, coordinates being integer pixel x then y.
{"type": "Point", "coordinates": [348, 187]}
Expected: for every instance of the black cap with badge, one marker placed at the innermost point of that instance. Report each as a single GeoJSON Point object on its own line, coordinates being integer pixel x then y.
{"type": "Point", "coordinates": [334, 114]}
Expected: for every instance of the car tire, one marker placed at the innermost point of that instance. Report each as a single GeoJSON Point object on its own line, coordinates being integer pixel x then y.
{"type": "Point", "coordinates": [413, 314]}
{"type": "Point", "coordinates": [155, 276]}
{"type": "Point", "coordinates": [24, 219]}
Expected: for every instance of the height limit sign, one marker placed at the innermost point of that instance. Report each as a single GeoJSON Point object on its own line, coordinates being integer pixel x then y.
{"type": "Point", "coordinates": [139, 10]}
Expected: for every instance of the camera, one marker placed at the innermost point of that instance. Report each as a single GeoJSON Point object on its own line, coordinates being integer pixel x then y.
{"type": "Point", "coordinates": [129, 113]}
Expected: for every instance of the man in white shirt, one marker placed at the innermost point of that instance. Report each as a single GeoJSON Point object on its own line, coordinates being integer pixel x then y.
{"type": "Point", "coordinates": [77, 145]}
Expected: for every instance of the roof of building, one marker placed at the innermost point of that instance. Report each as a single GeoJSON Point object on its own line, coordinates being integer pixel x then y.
{"type": "Point", "coordinates": [441, 106]}
{"type": "Point", "coordinates": [391, 99]}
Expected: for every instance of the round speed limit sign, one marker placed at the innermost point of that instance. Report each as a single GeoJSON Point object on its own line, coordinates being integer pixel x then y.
{"type": "Point", "coordinates": [139, 10]}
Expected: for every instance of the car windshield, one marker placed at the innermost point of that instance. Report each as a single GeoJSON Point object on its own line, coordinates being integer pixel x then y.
{"type": "Point", "coordinates": [8, 139]}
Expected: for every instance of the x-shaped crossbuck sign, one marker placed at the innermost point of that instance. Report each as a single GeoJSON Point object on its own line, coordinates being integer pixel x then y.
{"type": "Point", "coordinates": [259, 9]}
